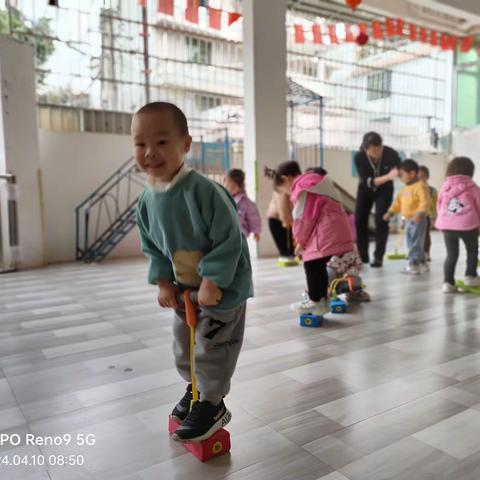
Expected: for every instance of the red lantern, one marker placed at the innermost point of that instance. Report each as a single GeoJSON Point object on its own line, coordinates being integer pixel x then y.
{"type": "Point", "coordinates": [362, 39]}
{"type": "Point", "coordinates": [353, 4]}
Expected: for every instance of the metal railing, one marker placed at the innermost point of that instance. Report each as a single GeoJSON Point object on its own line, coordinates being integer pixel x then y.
{"type": "Point", "coordinates": [104, 218]}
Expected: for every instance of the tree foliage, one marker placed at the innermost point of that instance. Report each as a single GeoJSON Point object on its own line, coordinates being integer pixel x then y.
{"type": "Point", "coordinates": [38, 34]}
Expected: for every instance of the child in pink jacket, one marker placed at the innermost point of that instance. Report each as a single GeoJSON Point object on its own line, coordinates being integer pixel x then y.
{"type": "Point", "coordinates": [458, 216]}
{"type": "Point", "coordinates": [320, 228]}
{"type": "Point", "coordinates": [250, 221]}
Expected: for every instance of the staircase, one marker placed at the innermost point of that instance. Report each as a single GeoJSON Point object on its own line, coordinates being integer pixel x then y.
{"type": "Point", "coordinates": [107, 215]}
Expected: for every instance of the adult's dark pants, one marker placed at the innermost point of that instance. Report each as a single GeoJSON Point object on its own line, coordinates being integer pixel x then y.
{"type": "Point", "coordinates": [282, 237]}
{"type": "Point", "coordinates": [382, 199]}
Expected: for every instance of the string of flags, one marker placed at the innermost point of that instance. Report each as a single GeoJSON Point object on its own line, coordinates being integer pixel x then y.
{"type": "Point", "coordinates": [318, 33]}
{"type": "Point", "coordinates": [191, 12]}
{"type": "Point", "coordinates": [380, 31]}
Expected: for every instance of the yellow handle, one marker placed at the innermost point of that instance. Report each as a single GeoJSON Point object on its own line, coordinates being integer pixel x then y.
{"type": "Point", "coordinates": [192, 365]}
{"type": "Point", "coordinates": [333, 287]}
{"type": "Point", "coordinates": [191, 314]}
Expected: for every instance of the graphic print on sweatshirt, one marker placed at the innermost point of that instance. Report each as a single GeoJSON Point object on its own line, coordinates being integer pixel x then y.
{"type": "Point", "coordinates": [454, 206]}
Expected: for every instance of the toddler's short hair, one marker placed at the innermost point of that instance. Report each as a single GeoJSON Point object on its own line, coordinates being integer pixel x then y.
{"type": "Point", "coordinates": [178, 116]}
{"type": "Point", "coordinates": [409, 165]}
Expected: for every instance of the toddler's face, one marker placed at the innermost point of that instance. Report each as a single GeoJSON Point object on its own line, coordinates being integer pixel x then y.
{"type": "Point", "coordinates": [159, 147]}
{"type": "Point", "coordinates": [422, 176]}
{"type": "Point", "coordinates": [407, 177]}
{"type": "Point", "coordinates": [231, 186]}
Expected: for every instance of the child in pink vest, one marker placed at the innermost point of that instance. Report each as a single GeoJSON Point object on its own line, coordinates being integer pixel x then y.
{"type": "Point", "coordinates": [458, 216]}
{"type": "Point", "coordinates": [320, 228]}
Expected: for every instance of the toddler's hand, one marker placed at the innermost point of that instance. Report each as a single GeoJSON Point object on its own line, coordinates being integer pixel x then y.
{"type": "Point", "coordinates": [167, 297]}
{"type": "Point", "coordinates": [386, 217]}
{"type": "Point", "coordinates": [208, 294]}
{"type": "Point", "coordinates": [298, 249]}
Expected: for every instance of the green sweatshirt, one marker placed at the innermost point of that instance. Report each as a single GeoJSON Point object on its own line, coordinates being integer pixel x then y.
{"type": "Point", "coordinates": [191, 231]}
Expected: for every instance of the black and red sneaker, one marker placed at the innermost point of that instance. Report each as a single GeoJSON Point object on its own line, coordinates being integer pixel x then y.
{"type": "Point", "coordinates": [202, 422]}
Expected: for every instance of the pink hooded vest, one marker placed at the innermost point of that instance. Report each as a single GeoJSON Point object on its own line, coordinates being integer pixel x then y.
{"type": "Point", "coordinates": [458, 204]}
{"type": "Point", "coordinates": [320, 224]}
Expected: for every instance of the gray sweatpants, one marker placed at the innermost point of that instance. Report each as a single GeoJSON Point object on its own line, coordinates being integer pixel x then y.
{"type": "Point", "coordinates": [218, 338]}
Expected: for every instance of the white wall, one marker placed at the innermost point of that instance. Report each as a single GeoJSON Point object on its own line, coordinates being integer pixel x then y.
{"type": "Point", "coordinates": [466, 143]}
{"type": "Point", "coordinates": [436, 163]}
{"type": "Point", "coordinates": [338, 164]}
{"type": "Point", "coordinates": [73, 166]}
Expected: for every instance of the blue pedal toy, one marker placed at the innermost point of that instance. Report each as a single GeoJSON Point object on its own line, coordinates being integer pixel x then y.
{"type": "Point", "coordinates": [337, 305]}
{"type": "Point", "coordinates": [310, 320]}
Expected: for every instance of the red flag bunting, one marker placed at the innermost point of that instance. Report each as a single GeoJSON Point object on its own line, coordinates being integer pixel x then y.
{"type": "Point", "coordinates": [423, 35]}
{"type": "Point", "coordinates": [317, 33]}
{"type": "Point", "coordinates": [377, 30]}
{"type": "Point", "coordinates": [299, 34]}
{"type": "Point", "coordinates": [233, 17]}
{"type": "Point", "coordinates": [332, 32]}
{"type": "Point", "coordinates": [215, 18]}
{"type": "Point", "coordinates": [165, 6]}
{"type": "Point", "coordinates": [349, 34]}
{"type": "Point", "coordinates": [443, 41]}
{"type": "Point", "coordinates": [191, 14]}
{"type": "Point", "coordinates": [390, 27]}
{"type": "Point", "coordinates": [447, 42]}
{"type": "Point", "coordinates": [466, 44]}
{"type": "Point", "coordinates": [412, 32]}
{"type": "Point", "coordinates": [399, 27]}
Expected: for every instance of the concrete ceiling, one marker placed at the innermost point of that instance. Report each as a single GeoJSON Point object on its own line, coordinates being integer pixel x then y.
{"type": "Point", "coordinates": [457, 17]}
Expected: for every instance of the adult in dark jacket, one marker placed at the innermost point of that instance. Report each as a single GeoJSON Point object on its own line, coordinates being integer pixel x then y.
{"type": "Point", "coordinates": [377, 167]}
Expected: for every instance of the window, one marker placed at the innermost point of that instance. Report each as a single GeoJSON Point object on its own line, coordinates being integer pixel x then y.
{"type": "Point", "coordinates": [309, 68]}
{"type": "Point", "coordinates": [379, 85]}
{"type": "Point", "coordinates": [199, 51]}
{"type": "Point", "coordinates": [205, 102]}
{"type": "Point", "coordinates": [302, 66]}
{"type": "Point", "coordinates": [329, 70]}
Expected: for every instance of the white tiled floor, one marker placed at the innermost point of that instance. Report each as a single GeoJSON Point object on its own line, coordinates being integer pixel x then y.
{"type": "Point", "coordinates": [389, 391]}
